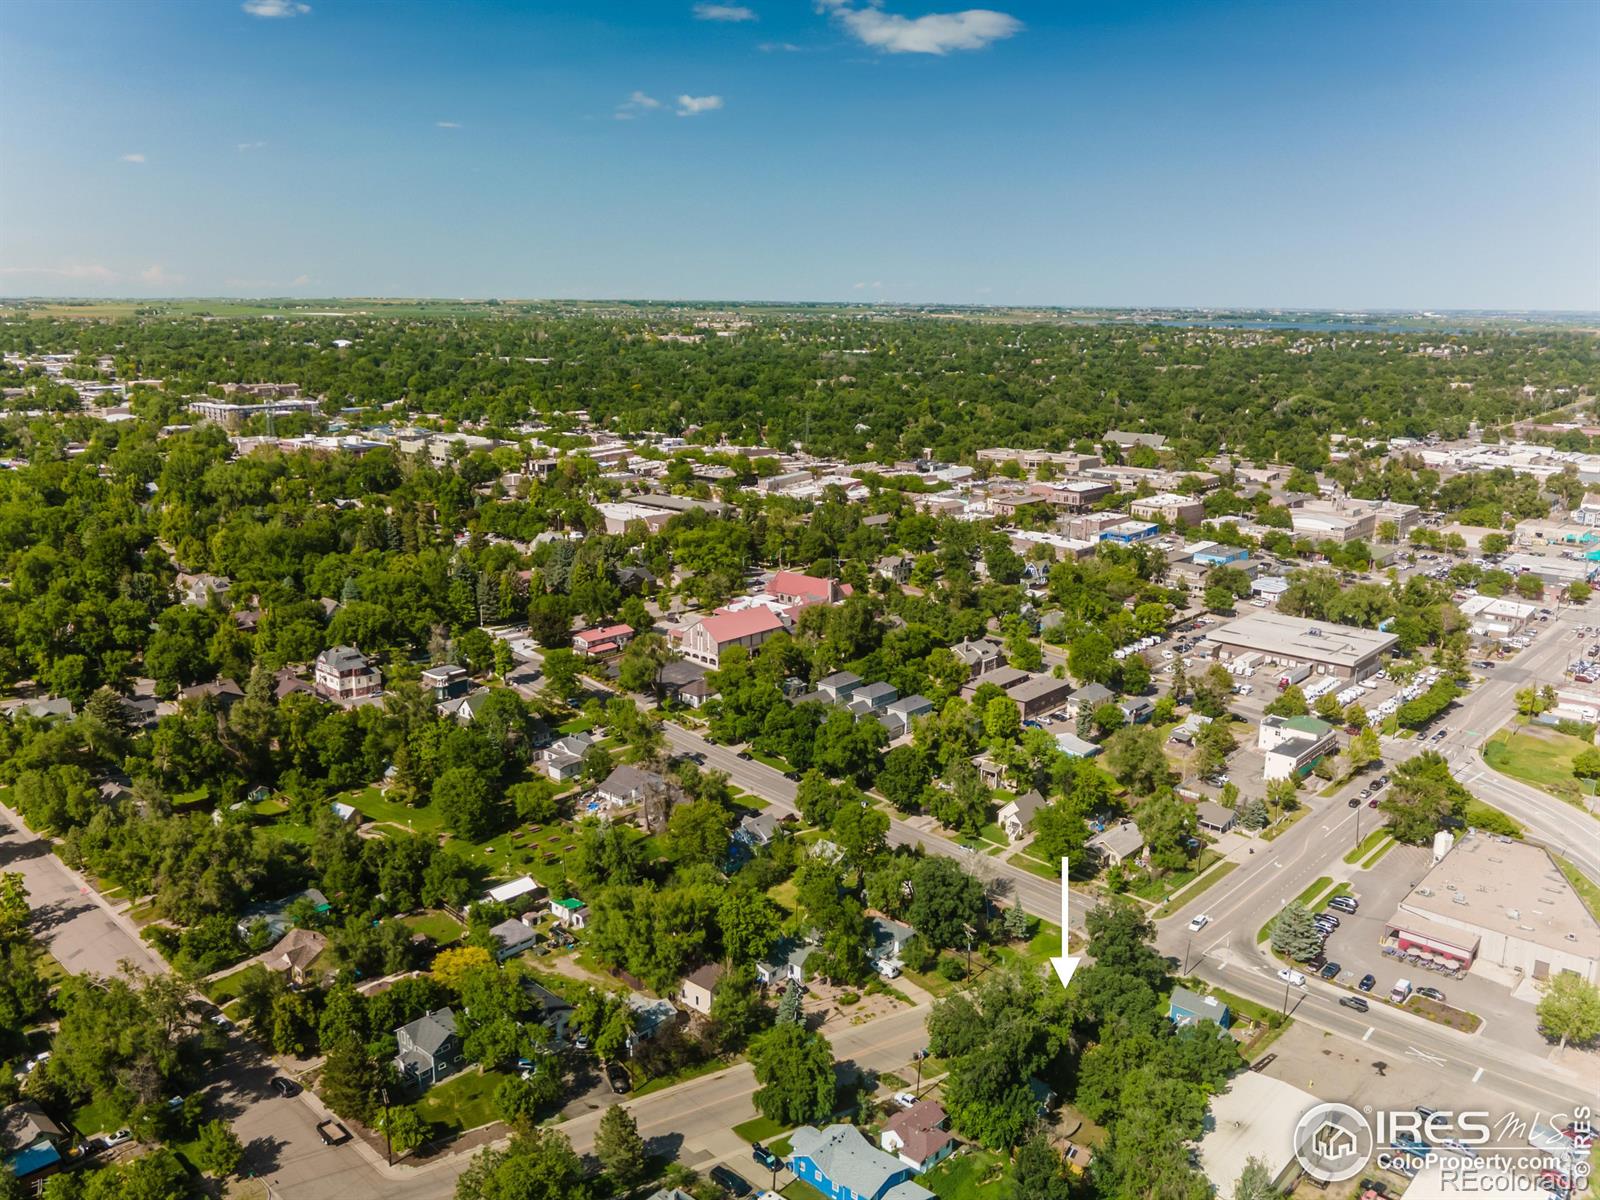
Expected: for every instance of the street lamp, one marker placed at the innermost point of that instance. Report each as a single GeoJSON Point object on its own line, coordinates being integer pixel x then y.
{"type": "Point", "coordinates": [919, 1056]}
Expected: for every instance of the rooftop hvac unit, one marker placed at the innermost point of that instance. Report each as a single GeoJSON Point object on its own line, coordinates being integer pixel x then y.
{"type": "Point", "coordinates": [1458, 898]}
{"type": "Point", "coordinates": [1424, 891]}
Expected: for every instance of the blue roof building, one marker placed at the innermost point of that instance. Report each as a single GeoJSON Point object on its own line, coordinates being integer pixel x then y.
{"type": "Point", "coordinates": [1190, 1008]}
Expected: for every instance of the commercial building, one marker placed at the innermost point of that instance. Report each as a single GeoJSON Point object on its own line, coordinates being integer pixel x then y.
{"type": "Point", "coordinates": [1497, 616]}
{"type": "Point", "coordinates": [1255, 1118]}
{"type": "Point", "coordinates": [1170, 507]}
{"type": "Point", "coordinates": [1342, 651]}
{"type": "Point", "coordinates": [1498, 903]}
{"type": "Point", "coordinates": [707, 640]}
{"type": "Point", "coordinates": [1553, 571]}
{"type": "Point", "coordinates": [1039, 694]}
{"type": "Point", "coordinates": [1293, 745]}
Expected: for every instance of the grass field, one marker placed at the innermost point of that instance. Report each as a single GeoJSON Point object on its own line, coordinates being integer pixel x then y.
{"type": "Point", "coordinates": [375, 806]}
{"type": "Point", "coordinates": [462, 1103]}
{"type": "Point", "coordinates": [1161, 886]}
{"type": "Point", "coordinates": [1538, 756]}
{"type": "Point", "coordinates": [759, 1129]}
{"type": "Point", "coordinates": [441, 927]}
{"type": "Point", "coordinates": [971, 1174]}
{"type": "Point", "coordinates": [95, 1117]}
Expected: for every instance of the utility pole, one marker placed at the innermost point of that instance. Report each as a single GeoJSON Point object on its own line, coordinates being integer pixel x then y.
{"type": "Point", "coordinates": [388, 1145]}
{"type": "Point", "coordinates": [919, 1056]}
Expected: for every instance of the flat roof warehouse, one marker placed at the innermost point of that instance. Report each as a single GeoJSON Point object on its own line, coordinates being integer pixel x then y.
{"type": "Point", "coordinates": [1343, 649]}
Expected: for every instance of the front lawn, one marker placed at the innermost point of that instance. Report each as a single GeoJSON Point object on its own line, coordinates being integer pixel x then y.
{"type": "Point", "coordinates": [759, 1129]}
{"type": "Point", "coordinates": [1216, 875]}
{"type": "Point", "coordinates": [375, 806]}
{"type": "Point", "coordinates": [97, 1116]}
{"type": "Point", "coordinates": [227, 987]}
{"type": "Point", "coordinates": [462, 1103]}
{"type": "Point", "coordinates": [1160, 887]}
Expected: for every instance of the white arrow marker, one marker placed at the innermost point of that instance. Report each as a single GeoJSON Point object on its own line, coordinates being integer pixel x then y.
{"type": "Point", "coordinates": [1067, 963]}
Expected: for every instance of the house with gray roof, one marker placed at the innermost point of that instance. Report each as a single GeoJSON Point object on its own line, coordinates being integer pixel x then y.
{"type": "Point", "coordinates": [841, 1164]}
{"type": "Point", "coordinates": [757, 829]}
{"type": "Point", "coordinates": [839, 687]}
{"type": "Point", "coordinates": [1016, 818]}
{"type": "Point", "coordinates": [786, 961]}
{"type": "Point", "coordinates": [1119, 843]}
{"type": "Point", "coordinates": [512, 937]}
{"type": "Point", "coordinates": [888, 938]}
{"type": "Point", "coordinates": [430, 1048]}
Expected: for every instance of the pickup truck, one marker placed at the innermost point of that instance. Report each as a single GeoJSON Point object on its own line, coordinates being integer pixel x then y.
{"type": "Point", "coordinates": [332, 1133]}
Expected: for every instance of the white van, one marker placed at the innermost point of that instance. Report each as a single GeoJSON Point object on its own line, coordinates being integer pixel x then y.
{"type": "Point", "coordinates": [1400, 992]}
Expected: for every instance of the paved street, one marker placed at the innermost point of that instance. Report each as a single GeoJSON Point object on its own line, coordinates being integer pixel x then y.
{"type": "Point", "coordinates": [80, 929]}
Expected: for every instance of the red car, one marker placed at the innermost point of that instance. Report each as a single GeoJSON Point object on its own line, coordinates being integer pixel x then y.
{"type": "Point", "coordinates": [1579, 1134]}
{"type": "Point", "coordinates": [1554, 1180]}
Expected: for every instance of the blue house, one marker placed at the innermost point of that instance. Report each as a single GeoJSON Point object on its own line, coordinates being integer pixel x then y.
{"type": "Point", "coordinates": [1189, 1008]}
{"type": "Point", "coordinates": [841, 1164]}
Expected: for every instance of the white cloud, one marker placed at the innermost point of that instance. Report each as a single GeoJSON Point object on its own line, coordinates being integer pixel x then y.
{"type": "Point", "coordinates": [94, 271]}
{"type": "Point", "coordinates": [784, 47]}
{"type": "Point", "coordinates": [447, 124]}
{"type": "Point", "coordinates": [158, 275]}
{"type": "Point", "coordinates": [723, 12]}
{"type": "Point", "coordinates": [275, 8]}
{"type": "Point", "coordinates": [693, 106]}
{"type": "Point", "coordinates": [133, 158]}
{"type": "Point", "coordinates": [935, 33]}
{"type": "Point", "coordinates": [300, 281]}
{"type": "Point", "coordinates": [246, 147]}
{"type": "Point", "coordinates": [636, 103]}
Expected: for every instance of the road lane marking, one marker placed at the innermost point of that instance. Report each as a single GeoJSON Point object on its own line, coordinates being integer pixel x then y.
{"type": "Point", "coordinates": [1436, 1059]}
{"type": "Point", "coordinates": [1477, 1075]}
{"type": "Point", "coordinates": [1371, 1029]}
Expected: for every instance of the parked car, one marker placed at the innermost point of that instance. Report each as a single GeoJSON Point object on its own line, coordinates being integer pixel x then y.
{"type": "Point", "coordinates": [1432, 993]}
{"type": "Point", "coordinates": [1358, 1003]}
{"type": "Point", "coordinates": [1354, 801]}
{"type": "Point", "coordinates": [1199, 923]}
{"type": "Point", "coordinates": [1368, 982]}
{"type": "Point", "coordinates": [904, 1099]}
{"type": "Point", "coordinates": [1330, 970]}
{"type": "Point", "coordinates": [1345, 904]}
{"type": "Point", "coordinates": [1316, 962]}
{"type": "Point", "coordinates": [1292, 977]}
{"type": "Point", "coordinates": [617, 1076]}
{"type": "Point", "coordinates": [731, 1182]}
{"type": "Point", "coordinates": [1326, 918]}
{"type": "Point", "coordinates": [111, 1141]}
{"type": "Point", "coordinates": [766, 1157]}
{"type": "Point", "coordinates": [1373, 803]}
{"type": "Point", "coordinates": [285, 1087]}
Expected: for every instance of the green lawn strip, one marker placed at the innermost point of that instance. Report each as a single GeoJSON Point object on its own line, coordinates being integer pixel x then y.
{"type": "Point", "coordinates": [442, 928]}
{"type": "Point", "coordinates": [768, 760]}
{"type": "Point", "coordinates": [1161, 887]}
{"type": "Point", "coordinates": [282, 831]}
{"type": "Point", "coordinates": [1367, 845]}
{"type": "Point", "coordinates": [576, 725]}
{"type": "Point", "coordinates": [462, 1103]}
{"type": "Point", "coordinates": [1032, 865]}
{"type": "Point", "coordinates": [800, 1190]}
{"type": "Point", "coordinates": [1285, 824]}
{"type": "Point", "coordinates": [1247, 1008]}
{"type": "Point", "coordinates": [1313, 891]}
{"type": "Point", "coordinates": [1489, 819]}
{"type": "Point", "coordinates": [1201, 884]}
{"type": "Point", "coordinates": [759, 1129]}
{"type": "Point", "coordinates": [661, 1082]}
{"type": "Point", "coordinates": [1588, 891]}
{"type": "Point", "coordinates": [1383, 848]}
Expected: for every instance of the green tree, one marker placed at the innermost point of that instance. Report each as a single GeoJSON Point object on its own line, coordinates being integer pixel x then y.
{"type": "Point", "coordinates": [538, 1164]}
{"type": "Point", "coordinates": [620, 1149]}
{"type": "Point", "coordinates": [470, 804]}
{"type": "Point", "coordinates": [903, 777]}
{"type": "Point", "coordinates": [218, 1151]}
{"type": "Point", "coordinates": [561, 668]}
{"type": "Point", "coordinates": [1134, 755]}
{"type": "Point", "coordinates": [1569, 1010]}
{"type": "Point", "coordinates": [1294, 933]}
{"type": "Point", "coordinates": [404, 1127]}
{"type": "Point", "coordinates": [1423, 799]}
{"type": "Point", "coordinates": [1038, 1172]}
{"type": "Point", "coordinates": [795, 1069]}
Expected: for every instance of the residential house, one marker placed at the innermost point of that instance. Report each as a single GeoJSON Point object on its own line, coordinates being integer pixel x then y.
{"type": "Point", "coordinates": [226, 692]}
{"type": "Point", "coordinates": [888, 937]}
{"type": "Point", "coordinates": [685, 682]}
{"type": "Point", "coordinates": [274, 915]}
{"type": "Point", "coordinates": [841, 1164]}
{"type": "Point", "coordinates": [570, 913]}
{"type": "Point", "coordinates": [1213, 817]}
{"type": "Point", "coordinates": [708, 639]}
{"type": "Point", "coordinates": [1086, 699]}
{"type": "Point", "coordinates": [295, 953]}
{"type": "Point", "coordinates": [445, 681]}
{"type": "Point", "coordinates": [429, 1048]}
{"type": "Point", "coordinates": [1136, 710]}
{"type": "Point", "coordinates": [1069, 743]}
{"type": "Point", "coordinates": [524, 892]}
{"type": "Point", "coordinates": [896, 568]}
{"type": "Point", "coordinates": [756, 829]}
{"type": "Point", "coordinates": [1039, 694]}
{"type": "Point", "coordinates": [872, 698]}
{"type": "Point", "coordinates": [346, 814]}
{"type": "Point", "coordinates": [512, 937]}
{"type": "Point", "coordinates": [917, 1135]}
{"type": "Point", "coordinates": [909, 708]}
{"type": "Point", "coordinates": [1185, 1007]}
{"type": "Point", "coordinates": [554, 1011]}
{"type": "Point", "coordinates": [343, 675]}
{"type": "Point", "coordinates": [563, 759]}
{"type": "Point", "coordinates": [650, 1017]}
{"type": "Point", "coordinates": [628, 785]}
{"type": "Point", "coordinates": [786, 961]}
{"type": "Point", "coordinates": [196, 590]}
{"type": "Point", "coordinates": [698, 986]}
{"type": "Point", "coordinates": [790, 587]}
{"type": "Point", "coordinates": [602, 639]}
{"type": "Point", "coordinates": [1016, 818]}
{"type": "Point", "coordinates": [31, 1139]}
{"type": "Point", "coordinates": [839, 687]}
{"type": "Point", "coordinates": [981, 656]}
{"type": "Point", "coordinates": [1118, 844]}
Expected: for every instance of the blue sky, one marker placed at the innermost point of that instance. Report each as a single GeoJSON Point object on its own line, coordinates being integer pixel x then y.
{"type": "Point", "coordinates": [1321, 155]}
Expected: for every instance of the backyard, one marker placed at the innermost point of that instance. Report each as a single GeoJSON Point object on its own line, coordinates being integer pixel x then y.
{"type": "Point", "coordinates": [462, 1103]}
